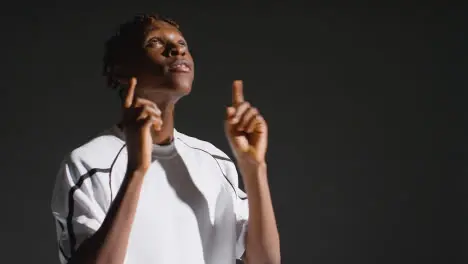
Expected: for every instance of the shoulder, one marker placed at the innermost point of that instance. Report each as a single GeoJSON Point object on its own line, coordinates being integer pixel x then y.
{"type": "Point", "coordinates": [225, 163]}
{"type": "Point", "coordinates": [201, 145]}
{"type": "Point", "coordinates": [210, 151]}
{"type": "Point", "coordinates": [99, 152]}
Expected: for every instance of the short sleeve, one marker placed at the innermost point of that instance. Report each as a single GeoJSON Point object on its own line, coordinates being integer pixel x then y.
{"type": "Point", "coordinates": [76, 211]}
{"type": "Point", "coordinates": [242, 217]}
{"type": "Point", "coordinates": [241, 209]}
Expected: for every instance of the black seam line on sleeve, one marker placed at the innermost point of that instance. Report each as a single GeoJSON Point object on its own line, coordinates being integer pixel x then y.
{"type": "Point", "coordinates": [62, 227]}
{"type": "Point", "coordinates": [221, 158]}
{"type": "Point", "coordinates": [71, 200]}
{"type": "Point", "coordinates": [110, 173]}
{"type": "Point", "coordinates": [63, 253]}
{"type": "Point", "coordinates": [71, 204]}
{"type": "Point", "coordinates": [215, 157]}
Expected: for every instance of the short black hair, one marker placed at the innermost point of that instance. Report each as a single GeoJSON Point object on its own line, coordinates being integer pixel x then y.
{"type": "Point", "coordinates": [116, 47]}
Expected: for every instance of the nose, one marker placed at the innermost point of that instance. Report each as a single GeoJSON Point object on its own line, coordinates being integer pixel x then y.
{"type": "Point", "coordinates": [177, 50]}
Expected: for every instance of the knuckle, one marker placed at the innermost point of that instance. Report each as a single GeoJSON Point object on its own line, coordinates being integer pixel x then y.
{"type": "Point", "coordinates": [156, 110]}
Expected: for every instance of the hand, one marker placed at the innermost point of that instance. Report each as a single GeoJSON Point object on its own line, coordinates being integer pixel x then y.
{"type": "Point", "coordinates": [246, 129]}
{"type": "Point", "coordinates": [140, 116]}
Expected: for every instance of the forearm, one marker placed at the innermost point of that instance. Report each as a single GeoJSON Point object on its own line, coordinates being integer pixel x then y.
{"type": "Point", "coordinates": [109, 244]}
{"type": "Point", "coordinates": [262, 241]}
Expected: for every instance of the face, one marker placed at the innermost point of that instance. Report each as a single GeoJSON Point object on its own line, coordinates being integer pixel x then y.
{"type": "Point", "coordinates": [165, 63]}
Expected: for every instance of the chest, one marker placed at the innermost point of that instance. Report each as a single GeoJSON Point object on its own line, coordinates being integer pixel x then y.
{"type": "Point", "coordinates": [186, 205]}
{"type": "Point", "coordinates": [185, 187]}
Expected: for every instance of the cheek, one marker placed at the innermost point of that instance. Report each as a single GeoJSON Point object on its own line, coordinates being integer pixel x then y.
{"type": "Point", "coordinates": [190, 57]}
{"type": "Point", "coordinates": [154, 61]}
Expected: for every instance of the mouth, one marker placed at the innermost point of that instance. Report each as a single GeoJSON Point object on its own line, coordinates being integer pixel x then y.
{"type": "Point", "coordinates": [180, 66]}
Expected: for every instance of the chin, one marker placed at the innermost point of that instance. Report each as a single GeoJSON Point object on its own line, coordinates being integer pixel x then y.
{"type": "Point", "coordinates": [180, 85]}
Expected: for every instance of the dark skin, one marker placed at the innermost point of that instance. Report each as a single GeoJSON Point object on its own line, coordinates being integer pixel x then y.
{"type": "Point", "coordinates": [159, 86]}
{"type": "Point", "coordinates": [161, 73]}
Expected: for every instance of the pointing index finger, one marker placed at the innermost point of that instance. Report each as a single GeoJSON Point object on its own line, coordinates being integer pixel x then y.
{"type": "Point", "coordinates": [130, 93]}
{"type": "Point", "coordinates": [237, 92]}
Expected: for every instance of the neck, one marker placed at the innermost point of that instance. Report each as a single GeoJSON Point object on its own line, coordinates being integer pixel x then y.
{"type": "Point", "coordinates": [165, 101]}
{"type": "Point", "coordinates": [166, 104]}
{"type": "Point", "coordinates": [166, 134]}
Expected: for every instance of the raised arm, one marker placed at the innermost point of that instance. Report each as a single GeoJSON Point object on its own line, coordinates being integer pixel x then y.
{"type": "Point", "coordinates": [247, 133]}
{"type": "Point", "coordinates": [108, 245]}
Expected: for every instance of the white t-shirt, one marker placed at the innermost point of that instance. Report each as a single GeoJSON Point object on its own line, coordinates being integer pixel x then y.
{"type": "Point", "coordinates": [190, 208]}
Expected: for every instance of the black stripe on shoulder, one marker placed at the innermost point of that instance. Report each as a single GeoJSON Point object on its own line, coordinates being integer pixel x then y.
{"type": "Point", "coordinates": [71, 200]}
{"type": "Point", "coordinates": [221, 158]}
{"type": "Point", "coordinates": [212, 155]}
{"type": "Point", "coordinates": [71, 204]}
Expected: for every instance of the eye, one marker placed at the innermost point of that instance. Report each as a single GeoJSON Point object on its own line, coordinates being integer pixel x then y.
{"type": "Point", "coordinates": [182, 43]}
{"type": "Point", "coordinates": [154, 42]}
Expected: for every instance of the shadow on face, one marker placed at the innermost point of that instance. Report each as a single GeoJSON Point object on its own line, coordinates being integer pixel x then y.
{"type": "Point", "coordinates": [159, 57]}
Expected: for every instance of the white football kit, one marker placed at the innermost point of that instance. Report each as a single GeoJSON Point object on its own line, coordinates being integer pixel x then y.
{"type": "Point", "coordinates": [190, 208]}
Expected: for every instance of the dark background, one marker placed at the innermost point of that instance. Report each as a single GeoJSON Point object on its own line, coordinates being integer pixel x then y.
{"type": "Point", "coordinates": [366, 144]}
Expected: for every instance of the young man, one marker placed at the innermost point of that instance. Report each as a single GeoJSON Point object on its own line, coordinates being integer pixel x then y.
{"type": "Point", "coordinates": [144, 193]}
